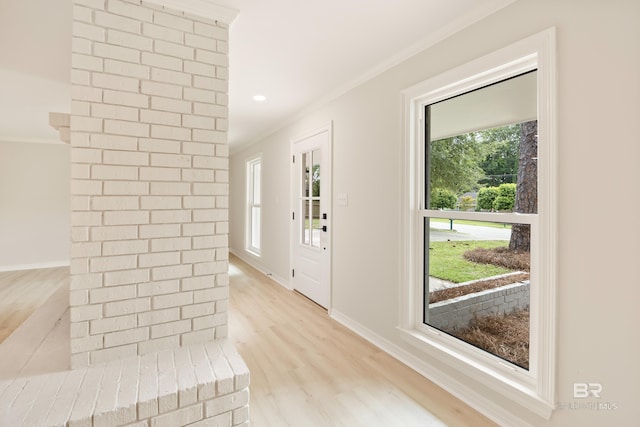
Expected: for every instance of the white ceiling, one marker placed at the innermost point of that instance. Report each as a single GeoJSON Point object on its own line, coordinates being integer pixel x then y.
{"type": "Point", "coordinates": [298, 53]}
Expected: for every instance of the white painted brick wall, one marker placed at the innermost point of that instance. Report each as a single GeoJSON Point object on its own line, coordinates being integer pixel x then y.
{"type": "Point", "coordinates": [199, 385]}
{"type": "Point", "coordinates": [149, 185]}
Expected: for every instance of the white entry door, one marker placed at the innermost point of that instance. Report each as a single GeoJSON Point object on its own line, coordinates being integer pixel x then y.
{"type": "Point", "coordinates": [311, 215]}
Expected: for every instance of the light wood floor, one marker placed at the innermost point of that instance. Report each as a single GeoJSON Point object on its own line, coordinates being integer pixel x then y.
{"type": "Point", "coordinates": [308, 370]}
{"type": "Point", "coordinates": [22, 292]}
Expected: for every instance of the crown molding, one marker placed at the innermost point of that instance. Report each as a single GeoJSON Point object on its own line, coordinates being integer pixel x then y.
{"type": "Point", "coordinates": [468, 19]}
{"type": "Point", "coordinates": [204, 8]}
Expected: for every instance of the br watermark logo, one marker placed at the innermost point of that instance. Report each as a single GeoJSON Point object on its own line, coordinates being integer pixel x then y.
{"type": "Point", "coordinates": [584, 395]}
{"type": "Point", "coordinates": [584, 390]}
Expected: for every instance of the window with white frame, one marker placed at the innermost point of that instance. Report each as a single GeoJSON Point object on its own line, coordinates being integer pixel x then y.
{"type": "Point", "coordinates": [253, 221]}
{"type": "Point", "coordinates": [479, 220]}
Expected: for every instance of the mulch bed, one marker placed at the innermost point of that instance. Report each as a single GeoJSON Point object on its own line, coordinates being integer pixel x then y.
{"type": "Point", "coordinates": [505, 335]}
{"type": "Point", "coordinates": [457, 291]}
{"type": "Point", "coordinates": [502, 257]}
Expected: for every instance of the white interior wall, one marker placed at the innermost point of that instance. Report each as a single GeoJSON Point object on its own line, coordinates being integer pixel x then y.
{"type": "Point", "coordinates": [598, 91]}
{"type": "Point", "coordinates": [34, 205]}
{"type": "Point", "coordinates": [275, 209]}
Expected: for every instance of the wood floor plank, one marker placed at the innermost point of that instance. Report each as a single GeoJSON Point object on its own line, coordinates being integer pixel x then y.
{"type": "Point", "coordinates": [22, 292]}
{"type": "Point", "coordinates": [307, 369]}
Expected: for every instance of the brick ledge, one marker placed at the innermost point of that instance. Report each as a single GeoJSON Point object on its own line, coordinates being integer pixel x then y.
{"type": "Point", "coordinates": [178, 387]}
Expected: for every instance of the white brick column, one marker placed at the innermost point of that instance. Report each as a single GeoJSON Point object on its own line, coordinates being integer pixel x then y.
{"type": "Point", "coordinates": [149, 180]}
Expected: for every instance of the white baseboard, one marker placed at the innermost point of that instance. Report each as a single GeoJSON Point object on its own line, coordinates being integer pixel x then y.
{"type": "Point", "coordinates": [471, 397]}
{"type": "Point", "coordinates": [34, 266]}
{"type": "Point", "coordinates": [249, 259]}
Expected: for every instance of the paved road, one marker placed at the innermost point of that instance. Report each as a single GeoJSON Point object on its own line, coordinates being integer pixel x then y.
{"type": "Point", "coordinates": [467, 232]}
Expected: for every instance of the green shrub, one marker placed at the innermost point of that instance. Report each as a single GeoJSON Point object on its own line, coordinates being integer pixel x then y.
{"type": "Point", "coordinates": [503, 203]}
{"type": "Point", "coordinates": [442, 199]}
{"type": "Point", "coordinates": [506, 197]}
{"type": "Point", "coordinates": [507, 190]}
{"type": "Point", "coordinates": [486, 196]}
{"type": "Point", "coordinates": [467, 203]}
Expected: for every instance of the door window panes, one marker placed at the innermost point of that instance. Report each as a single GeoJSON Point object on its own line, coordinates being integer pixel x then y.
{"type": "Point", "coordinates": [309, 199]}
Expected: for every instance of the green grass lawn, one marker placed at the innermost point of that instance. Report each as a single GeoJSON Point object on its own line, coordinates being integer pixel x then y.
{"type": "Point", "coordinates": [477, 223]}
{"type": "Point", "coordinates": [446, 261]}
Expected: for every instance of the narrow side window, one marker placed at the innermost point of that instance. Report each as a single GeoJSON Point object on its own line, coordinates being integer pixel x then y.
{"type": "Point", "coordinates": [254, 221]}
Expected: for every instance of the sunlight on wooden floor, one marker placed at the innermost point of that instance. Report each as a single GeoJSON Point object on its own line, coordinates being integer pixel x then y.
{"type": "Point", "coordinates": [308, 370]}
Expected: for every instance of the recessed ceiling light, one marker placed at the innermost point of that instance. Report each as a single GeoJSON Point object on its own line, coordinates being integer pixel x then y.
{"type": "Point", "coordinates": [259, 98]}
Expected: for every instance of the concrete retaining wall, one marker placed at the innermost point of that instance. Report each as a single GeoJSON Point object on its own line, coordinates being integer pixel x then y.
{"type": "Point", "coordinates": [458, 312]}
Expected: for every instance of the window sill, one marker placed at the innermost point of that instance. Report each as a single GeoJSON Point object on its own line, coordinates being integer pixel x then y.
{"type": "Point", "coordinates": [514, 384]}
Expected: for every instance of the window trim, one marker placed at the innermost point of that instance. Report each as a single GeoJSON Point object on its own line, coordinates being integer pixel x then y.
{"type": "Point", "coordinates": [533, 389]}
{"type": "Point", "coordinates": [250, 203]}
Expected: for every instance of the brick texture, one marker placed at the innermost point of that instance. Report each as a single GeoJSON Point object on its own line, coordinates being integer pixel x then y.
{"type": "Point", "coordinates": [149, 183]}
{"type": "Point", "coordinates": [200, 385]}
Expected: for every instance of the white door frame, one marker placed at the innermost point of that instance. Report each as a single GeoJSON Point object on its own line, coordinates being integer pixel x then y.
{"type": "Point", "coordinates": [326, 203]}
